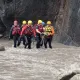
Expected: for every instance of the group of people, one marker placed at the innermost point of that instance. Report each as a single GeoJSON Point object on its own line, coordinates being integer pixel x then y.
{"type": "Point", "coordinates": [41, 32]}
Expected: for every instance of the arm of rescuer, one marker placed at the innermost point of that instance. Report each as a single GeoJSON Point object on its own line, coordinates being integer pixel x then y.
{"type": "Point", "coordinates": [10, 33]}
{"type": "Point", "coordinates": [34, 32]}
{"type": "Point", "coordinates": [53, 32]}
{"type": "Point", "coordinates": [23, 29]}
{"type": "Point", "coordinates": [37, 30]}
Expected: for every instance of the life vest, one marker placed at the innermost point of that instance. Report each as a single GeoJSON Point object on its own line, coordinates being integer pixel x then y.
{"type": "Point", "coordinates": [48, 30]}
{"type": "Point", "coordinates": [16, 30]}
{"type": "Point", "coordinates": [29, 30]}
{"type": "Point", "coordinates": [40, 28]}
{"type": "Point", "coordinates": [23, 28]}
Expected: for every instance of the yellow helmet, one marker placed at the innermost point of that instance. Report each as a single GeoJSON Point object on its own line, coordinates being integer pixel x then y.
{"type": "Point", "coordinates": [39, 21]}
{"type": "Point", "coordinates": [24, 22]}
{"type": "Point", "coordinates": [30, 22]}
{"type": "Point", "coordinates": [49, 22]}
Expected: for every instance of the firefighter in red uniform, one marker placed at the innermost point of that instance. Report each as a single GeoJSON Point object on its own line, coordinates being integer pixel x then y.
{"type": "Point", "coordinates": [22, 38]}
{"type": "Point", "coordinates": [39, 31]}
{"type": "Point", "coordinates": [15, 31]}
{"type": "Point", "coordinates": [28, 31]}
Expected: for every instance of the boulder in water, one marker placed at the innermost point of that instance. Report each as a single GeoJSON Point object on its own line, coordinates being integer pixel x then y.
{"type": "Point", "coordinates": [2, 48]}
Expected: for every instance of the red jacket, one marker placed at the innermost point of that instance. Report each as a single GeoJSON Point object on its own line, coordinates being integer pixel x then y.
{"type": "Point", "coordinates": [28, 30]}
{"type": "Point", "coordinates": [40, 28]}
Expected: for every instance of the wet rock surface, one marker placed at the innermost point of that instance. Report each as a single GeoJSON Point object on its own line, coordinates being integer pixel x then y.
{"type": "Point", "coordinates": [26, 10]}
{"type": "Point", "coordinates": [39, 64]}
{"type": "Point", "coordinates": [2, 48]}
{"type": "Point", "coordinates": [76, 77]}
{"type": "Point", "coordinates": [64, 14]}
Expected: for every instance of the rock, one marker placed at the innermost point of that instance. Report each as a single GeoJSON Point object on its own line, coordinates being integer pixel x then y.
{"type": "Point", "coordinates": [9, 9]}
{"type": "Point", "coordinates": [1, 35]}
{"type": "Point", "coordinates": [68, 77]}
{"type": "Point", "coordinates": [67, 19]}
{"type": "Point", "coordinates": [76, 77]}
{"type": "Point", "coordinates": [2, 48]}
{"type": "Point", "coordinates": [71, 75]}
{"type": "Point", "coordinates": [64, 14]}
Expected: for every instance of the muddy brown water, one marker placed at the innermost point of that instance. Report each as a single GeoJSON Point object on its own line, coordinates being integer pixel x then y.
{"type": "Point", "coordinates": [38, 64]}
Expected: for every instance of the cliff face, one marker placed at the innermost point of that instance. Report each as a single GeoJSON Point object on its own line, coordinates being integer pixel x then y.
{"type": "Point", "coordinates": [68, 22]}
{"type": "Point", "coordinates": [28, 9]}
{"type": "Point", "coordinates": [65, 15]}
{"type": "Point", "coordinates": [74, 30]}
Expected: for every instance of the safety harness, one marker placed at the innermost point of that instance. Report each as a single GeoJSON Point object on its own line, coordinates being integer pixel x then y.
{"type": "Point", "coordinates": [15, 30]}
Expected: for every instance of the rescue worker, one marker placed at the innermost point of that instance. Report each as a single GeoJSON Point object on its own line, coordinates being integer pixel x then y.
{"type": "Point", "coordinates": [28, 31]}
{"type": "Point", "coordinates": [39, 31]}
{"type": "Point", "coordinates": [48, 34]}
{"type": "Point", "coordinates": [22, 38]}
{"type": "Point", "coordinates": [15, 31]}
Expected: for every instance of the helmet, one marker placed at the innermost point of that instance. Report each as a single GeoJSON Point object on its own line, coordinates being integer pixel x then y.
{"type": "Point", "coordinates": [39, 21]}
{"type": "Point", "coordinates": [29, 22]}
{"type": "Point", "coordinates": [43, 23]}
{"type": "Point", "coordinates": [24, 22]}
{"type": "Point", "coordinates": [48, 22]}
